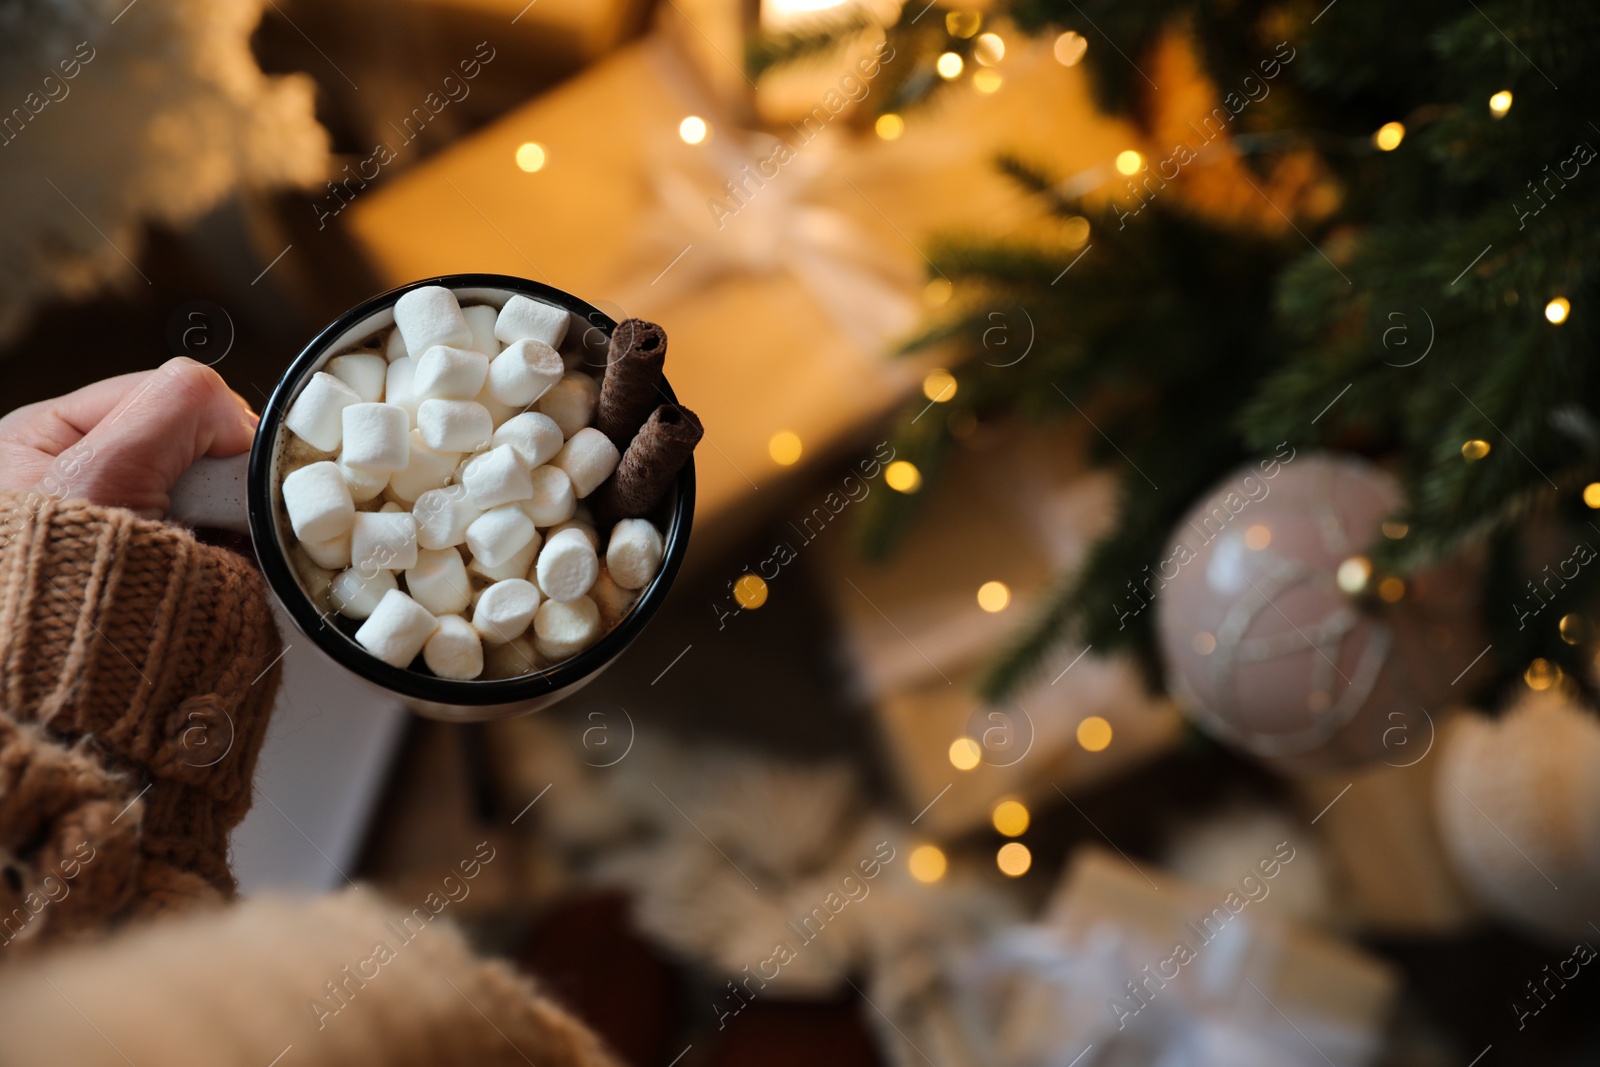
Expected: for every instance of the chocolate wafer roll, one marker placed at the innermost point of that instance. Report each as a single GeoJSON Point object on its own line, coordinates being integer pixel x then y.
{"type": "Point", "coordinates": [631, 387]}
{"type": "Point", "coordinates": [652, 460]}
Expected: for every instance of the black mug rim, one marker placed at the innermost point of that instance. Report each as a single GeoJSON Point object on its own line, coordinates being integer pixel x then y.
{"type": "Point", "coordinates": [402, 681]}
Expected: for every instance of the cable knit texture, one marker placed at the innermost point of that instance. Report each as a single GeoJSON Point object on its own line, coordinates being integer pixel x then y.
{"type": "Point", "coordinates": [138, 669]}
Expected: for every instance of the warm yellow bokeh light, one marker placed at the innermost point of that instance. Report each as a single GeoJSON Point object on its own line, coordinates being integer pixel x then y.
{"type": "Point", "coordinates": [750, 591]}
{"type": "Point", "coordinates": [1474, 450]}
{"type": "Point", "coordinates": [990, 49]}
{"type": "Point", "coordinates": [1075, 231]}
{"type": "Point", "coordinates": [965, 754]}
{"type": "Point", "coordinates": [1013, 859]}
{"type": "Point", "coordinates": [1353, 574]}
{"type": "Point", "coordinates": [530, 156]}
{"type": "Point", "coordinates": [1391, 589]}
{"type": "Point", "coordinates": [1129, 162]}
{"type": "Point", "coordinates": [1500, 103]}
{"type": "Point", "coordinates": [1010, 818]}
{"type": "Point", "coordinates": [1394, 531]}
{"type": "Point", "coordinates": [939, 385]}
{"type": "Point", "coordinates": [937, 292]}
{"type": "Point", "coordinates": [1572, 629]}
{"type": "Point", "coordinates": [1591, 494]}
{"type": "Point", "coordinates": [993, 596]}
{"type": "Point", "coordinates": [784, 448]}
{"type": "Point", "coordinates": [1257, 537]}
{"type": "Point", "coordinates": [986, 80]}
{"type": "Point", "coordinates": [1204, 643]}
{"type": "Point", "coordinates": [693, 129]}
{"type": "Point", "coordinates": [963, 24]}
{"type": "Point", "coordinates": [1094, 733]}
{"type": "Point", "coordinates": [1389, 136]}
{"type": "Point", "coordinates": [1556, 311]}
{"type": "Point", "coordinates": [903, 476]}
{"type": "Point", "coordinates": [1542, 674]}
{"type": "Point", "coordinates": [780, 14]}
{"type": "Point", "coordinates": [889, 126]}
{"type": "Point", "coordinates": [949, 66]}
{"type": "Point", "coordinates": [1070, 47]}
{"type": "Point", "coordinates": [927, 864]}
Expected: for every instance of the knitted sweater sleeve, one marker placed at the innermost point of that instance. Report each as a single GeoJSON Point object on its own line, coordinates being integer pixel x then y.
{"type": "Point", "coordinates": [138, 668]}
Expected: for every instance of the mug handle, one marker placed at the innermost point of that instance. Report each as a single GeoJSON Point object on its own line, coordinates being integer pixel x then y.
{"type": "Point", "coordinates": [211, 493]}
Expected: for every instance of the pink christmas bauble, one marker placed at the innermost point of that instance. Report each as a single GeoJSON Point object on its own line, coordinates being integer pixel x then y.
{"type": "Point", "coordinates": [1266, 651]}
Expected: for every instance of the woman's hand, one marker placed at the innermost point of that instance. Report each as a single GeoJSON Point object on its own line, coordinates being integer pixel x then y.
{"type": "Point", "coordinates": [125, 440]}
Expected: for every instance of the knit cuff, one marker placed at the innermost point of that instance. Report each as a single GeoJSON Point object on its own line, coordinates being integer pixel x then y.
{"type": "Point", "coordinates": [157, 649]}
{"type": "Point", "coordinates": [69, 843]}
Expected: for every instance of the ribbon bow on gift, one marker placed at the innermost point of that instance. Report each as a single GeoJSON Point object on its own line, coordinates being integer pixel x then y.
{"type": "Point", "coordinates": [753, 204]}
{"type": "Point", "coordinates": [1071, 996]}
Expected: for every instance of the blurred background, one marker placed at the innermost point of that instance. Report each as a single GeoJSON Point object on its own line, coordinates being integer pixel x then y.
{"type": "Point", "coordinates": [1139, 609]}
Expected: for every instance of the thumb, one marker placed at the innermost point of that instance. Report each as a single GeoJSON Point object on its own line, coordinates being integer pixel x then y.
{"type": "Point", "coordinates": [179, 413]}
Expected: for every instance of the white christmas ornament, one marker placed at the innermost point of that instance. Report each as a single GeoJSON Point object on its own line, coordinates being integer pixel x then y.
{"type": "Point", "coordinates": [1519, 808]}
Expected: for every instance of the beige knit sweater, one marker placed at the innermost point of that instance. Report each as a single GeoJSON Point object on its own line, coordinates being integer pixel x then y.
{"type": "Point", "coordinates": [138, 669]}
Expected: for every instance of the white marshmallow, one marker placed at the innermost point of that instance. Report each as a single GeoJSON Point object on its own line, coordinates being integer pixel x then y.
{"type": "Point", "coordinates": [318, 501]}
{"type": "Point", "coordinates": [439, 581]}
{"type": "Point", "coordinates": [613, 601]}
{"type": "Point", "coordinates": [430, 316]}
{"type": "Point", "coordinates": [391, 507]}
{"type": "Point", "coordinates": [443, 516]}
{"type": "Point", "coordinates": [447, 373]}
{"type": "Point", "coordinates": [634, 553]}
{"type": "Point", "coordinates": [377, 438]}
{"type": "Point", "coordinates": [454, 650]}
{"type": "Point", "coordinates": [505, 610]}
{"type": "Point", "coordinates": [362, 371]}
{"type": "Point", "coordinates": [571, 402]}
{"type": "Point", "coordinates": [395, 347]}
{"type": "Point", "coordinates": [518, 566]}
{"type": "Point", "coordinates": [333, 554]}
{"type": "Point", "coordinates": [314, 580]}
{"type": "Point", "coordinates": [356, 595]}
{"type": "Point", "coordinates": [563, 628]}
{"type": "Point", "coordinates": [521, 374]}
{"type": "Point", "coordinates": [425, 469]}
{"type": "Point", "coordinates": [553, 501]}
{"type": "Point", "coordinates": [363, 485]}
{"type": "Point", "coordinates": [567, 565]}
{"type": "Point", "coordinates": [500, 533]}
{"type": "Point", "coordinates": [498, 412]}
{"type": "Point", "coordinates": [536, 437]}
{"type": "Point", "coordinates": [496, 477]}
{"type": "Point", "coordinates": [397, 387]}
{"type": "Point", "coordinates": [510, 660]}
{"type": "Point", "coordinates": [317, 413]}
{"type": "Point", "coordinates": [454, 425]}
{"type": "Point", "coordinates": [525, 319]}
{"type": "Point", "coordinates": [575, 524]}
{"type": "Point", "coordinates": [588, 457]}
{"type": "Point", "coordinates": [383, 540]}
{"type": "Point", "coordinates": [397, 629]}
{"type": "Point", "coordinates": [480, 320]}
